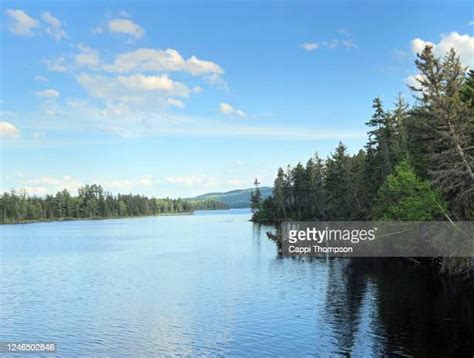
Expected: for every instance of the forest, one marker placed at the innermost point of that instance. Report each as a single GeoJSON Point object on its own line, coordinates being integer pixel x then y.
{"type": "Point", "coordinates": [417, 165]}
{"type": "Point", "coordinates": [92, 202]}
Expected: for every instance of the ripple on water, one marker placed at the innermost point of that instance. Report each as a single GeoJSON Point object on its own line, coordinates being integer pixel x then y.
{"type": "Point", "coordinates": [209, 284]}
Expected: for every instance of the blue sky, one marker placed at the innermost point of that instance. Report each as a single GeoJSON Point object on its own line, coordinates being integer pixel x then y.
{"type": "Point", "coordinates": [178, 99]}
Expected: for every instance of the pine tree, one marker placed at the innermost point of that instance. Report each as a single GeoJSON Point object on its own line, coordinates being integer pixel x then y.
{"type": "Point", "coordinates": [315, 198]}
{"type": "Point", "coordinates": [358, 186]}
{"type": "Point", "coordinates": [300, 191]}
{"type": "Point", "coordinates": [467, 91]}
{"type": "Point", "coordinates": [279, 195]}
{"type": "Point", "coordinates": [451, 139]}
{"type": "Point", "coordinates": [381, 138]}
{"type": "Point", "coordinates": [339, 205]}
{"type": "Point", "coordinates": [256, 197]}
{"type": "Point", "coordinates": [399, 119]}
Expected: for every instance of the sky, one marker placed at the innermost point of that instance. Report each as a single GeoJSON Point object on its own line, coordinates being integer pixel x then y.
{"type": "Point", "coordinates": [182, 98]}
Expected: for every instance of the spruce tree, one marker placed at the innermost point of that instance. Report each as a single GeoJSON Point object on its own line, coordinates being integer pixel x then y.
{"type": "Point", "coordinates": [451, 160]}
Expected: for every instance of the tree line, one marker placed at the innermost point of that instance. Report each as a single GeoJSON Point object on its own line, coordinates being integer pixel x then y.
{"type": "Point", "coordinates": [418, 163]}
{"type": "Point", "coordinates": [92, 202]}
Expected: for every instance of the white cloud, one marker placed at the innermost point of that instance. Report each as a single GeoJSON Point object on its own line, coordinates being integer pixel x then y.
{"type": "Point", "coordinates": [40, 78]}
{"type": "Point", "coordinates": [54, 27]}
{"type": "Point", "coordinates": [471, 23]}
{"type": "Point", "coordinates": [56, 64]}
{"type": "Point", "coordinates": [238, 182]}
{"type": "Point", "coordinates": [206, 181]}
{"type": "Point", "coordinates": [117, 184]}
{"type": "Point", "coordinates": [147, 180]}
{"type": "Point", "coordinates": [413, 81]}
{"type": "Point", "coordinates": [21, 23]}
{"type": "Point", "coordinates": [169, 60]}
{"type": "Point", "coordinates": [113, 110]}
{"type": "Point", "coordinates": [125, 26]}
{"type": "Point", "coordinates": [50, 181]}
{"type": "Point", "coordinates": [344, 40]}
{"type": "Point", "coordinates": [48, 93]}
{"type": "Point", "coordinates": [149, 118]}
{"type": "Point", "coordinates": [216, 80]}
{"type": "Point", "coordinates": [310, 46]}
{"type": "Point", "coordinates": [176, 103]}
{"type": "Point", "coordinates": [189, 180]}
{"type": "Point", "coordinates": [227, 109]}
{"type": "Point", "coordinates": [463, 44]}
{"type": "Point", "coordinates": [8, 130]}
{"type": "Point", "coordinates": [131, 88]}
{"type": "Point", "coordinates": [126, 184]}
{"type": "Point", "coordinates": [153, 83]}
{"type": "Point", "coordinates": [36, 190]}
{"type": "Point", "coordinates": [126, 85]}
{"type": "Point", "coordinates": [87, 57]}
{"type": "Point", "coordinates": [347, 43]}
{"type": "Point", "coordinates": [47, 184]}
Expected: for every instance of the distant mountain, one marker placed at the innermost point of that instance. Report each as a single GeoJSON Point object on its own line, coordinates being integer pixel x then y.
{"type": "Point", "coordinates": [235, 198]}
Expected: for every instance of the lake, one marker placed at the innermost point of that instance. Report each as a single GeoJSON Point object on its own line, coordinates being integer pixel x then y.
{"type": "Point", "coordinates": [212, 284]}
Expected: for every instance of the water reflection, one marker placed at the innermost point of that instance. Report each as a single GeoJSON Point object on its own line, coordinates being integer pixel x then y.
{"type": "Point", "coordinates": [384, 307]}
{"type": "Point", "coordinates": [421, 315]}
{"type": "Point", "coordinates": [344, 302]}
{"type": "Point", "coordinates": [378, 308]}
{"type": "Point", "coordinates": [213, 284]}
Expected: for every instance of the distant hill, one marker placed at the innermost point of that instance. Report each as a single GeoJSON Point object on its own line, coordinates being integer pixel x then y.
{"type": "Point", "coordinates": [235, 198]}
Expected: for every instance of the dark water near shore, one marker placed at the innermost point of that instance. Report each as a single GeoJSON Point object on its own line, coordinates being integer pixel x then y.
{"type": "Point", "coordinates": [212, 284]}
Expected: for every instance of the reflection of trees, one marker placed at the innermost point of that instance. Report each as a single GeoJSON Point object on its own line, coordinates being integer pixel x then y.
{"type": "Point", "coordinates": [395, 308]}
{"type": "Point", "coordinates": [419, 314]}
{"type": "Point", "coordinates": [270, 232]}
{"type": "Point", "coordinates": [344, 296]}
{"type": "Point", "coordinates": [257, 232]}
{"type": "Point", "coordinates": [386, 307]}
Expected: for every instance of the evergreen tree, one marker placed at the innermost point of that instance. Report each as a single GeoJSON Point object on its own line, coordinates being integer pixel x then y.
{"type": "Point", "coordinates": [279, 195]}
{"type": "Point", "coordinates": [256, 197]}
{"type": "Point", "coordinates": [315, 195]}
{"type": "Point", "coordinates": [399, 145]}
{"type": "Point", "coordinates": [358, 186]}
{"type": "Point", "coordinates": [450, 128]}
{"type": "Point", "coordinates": [338, 195]}
{"type": "Point", "coordinates": [467, 90]}
{"type": "Point", "coordinates": [92, 202]}
{"type": "Point", "coordinates": [381, 144]}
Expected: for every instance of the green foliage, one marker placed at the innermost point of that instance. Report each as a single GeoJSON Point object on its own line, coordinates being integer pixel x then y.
{"type": "Point", "coordinates": [337, 185]}
{"type": "Point", "coordinates": [467, 90]}
{"type": "Point", "coordinates": [256, 198]}
{"type": "Point", "coordinates": [92, 202]}
{"type": "Point", "coordinates": [429, 146]}
{"type": "Point", "coordinates": [404, 196]}
{"type": "Point", "coordinates": [445, 129]}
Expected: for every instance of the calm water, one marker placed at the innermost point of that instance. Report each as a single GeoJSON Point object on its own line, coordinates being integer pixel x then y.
{"type": "Point", "coordinates": [212, 284]}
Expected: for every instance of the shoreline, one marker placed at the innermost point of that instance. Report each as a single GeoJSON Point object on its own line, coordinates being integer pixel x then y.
{"type": "Point", "coordinates": [102, 218]}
